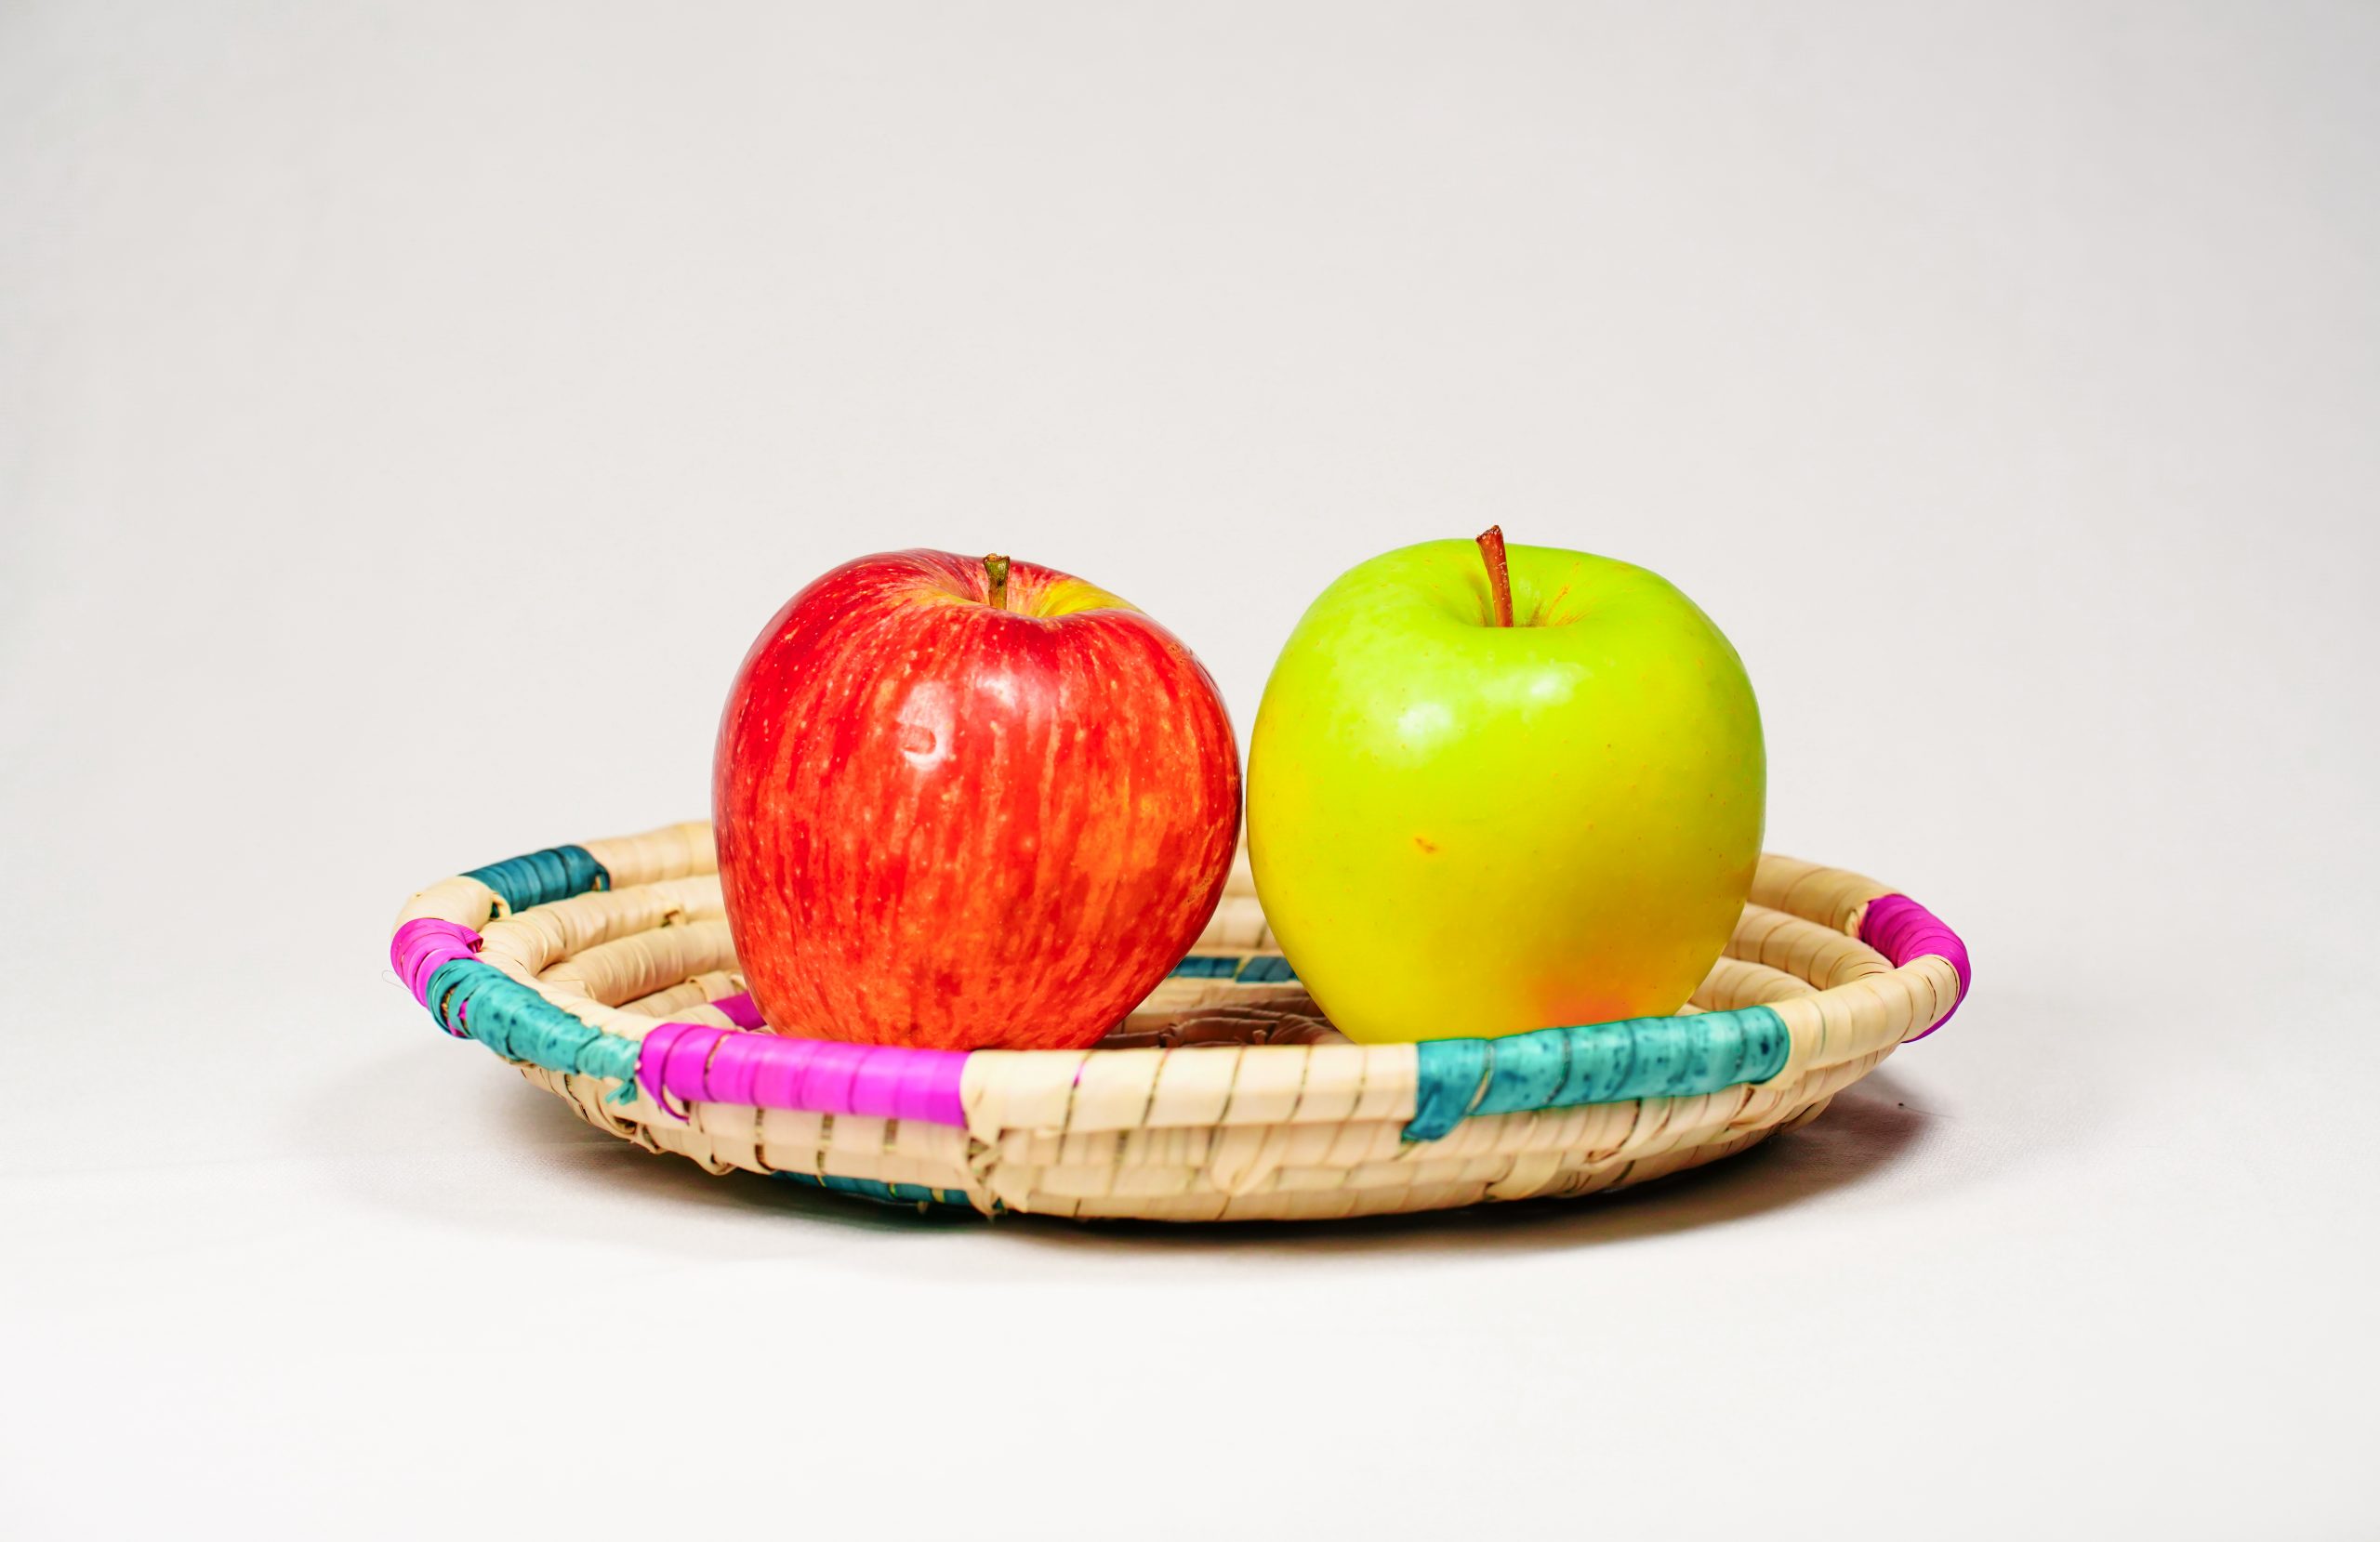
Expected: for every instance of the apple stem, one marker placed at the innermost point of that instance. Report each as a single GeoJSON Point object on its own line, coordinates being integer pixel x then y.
{"type": "Point", "coordinates": [997, 567]}
{"type": "Point", "coordinates": [1500, 575]}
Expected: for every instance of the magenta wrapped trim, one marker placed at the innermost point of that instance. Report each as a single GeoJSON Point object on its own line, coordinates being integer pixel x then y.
{"type": "Point", "coordinates": [421, 946]}
{"type": "Point", "coordinates": [1902, 929]}
{"type": "Point", "coordinates": [683, 1062]}
{"type": "Point", "coordinates": [740, 1010]}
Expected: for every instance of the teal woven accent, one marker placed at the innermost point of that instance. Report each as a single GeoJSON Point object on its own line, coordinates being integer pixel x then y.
{"type": "Point", "coordinates": [876, 1189]}
{"type": "Point", "coordinates": [541, 877]}
{"type": "Point", "coordinates": [1609, 1062]}
{"type": "Point", "coordinates": [481, 1002]}
{"type": "Point", "coordinates": [1248, 969]}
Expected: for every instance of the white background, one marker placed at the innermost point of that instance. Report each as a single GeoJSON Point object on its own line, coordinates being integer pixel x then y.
{"type": "Point", "coordinates": [409, 412]}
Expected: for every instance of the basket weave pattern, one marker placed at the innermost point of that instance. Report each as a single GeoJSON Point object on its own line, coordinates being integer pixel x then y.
{"type": "Point", "coordinates": [605, 971]}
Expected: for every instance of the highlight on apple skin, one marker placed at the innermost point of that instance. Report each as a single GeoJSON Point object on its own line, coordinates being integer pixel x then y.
{"type": "Point", "coordinates": [1467, 829]}
{"type": "Point", "coordinates": [964, 803]}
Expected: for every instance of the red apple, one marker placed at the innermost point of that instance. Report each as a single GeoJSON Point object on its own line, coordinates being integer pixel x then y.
{"type": "Point", "coordinates": [966, 803]}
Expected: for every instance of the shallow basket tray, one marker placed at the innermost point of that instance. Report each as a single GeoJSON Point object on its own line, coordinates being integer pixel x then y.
{"type": "Point", "coordinates": [605, 972]}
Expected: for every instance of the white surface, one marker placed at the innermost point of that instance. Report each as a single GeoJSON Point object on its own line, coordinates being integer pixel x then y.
{"type": "Point", "coordinates": [408, 414]}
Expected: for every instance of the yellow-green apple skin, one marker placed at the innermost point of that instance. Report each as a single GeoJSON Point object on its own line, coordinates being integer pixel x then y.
{"type": "Point", "coordinates": [1464, 830]}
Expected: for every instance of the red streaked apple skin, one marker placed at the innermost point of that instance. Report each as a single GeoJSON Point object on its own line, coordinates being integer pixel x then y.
{"type": "Point", "coordinates": [946, 826]}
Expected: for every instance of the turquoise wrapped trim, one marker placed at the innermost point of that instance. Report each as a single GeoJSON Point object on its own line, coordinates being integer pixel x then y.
{"type": "Point", "coordinates": [1248, 969]}
{"type": "Point", "coordinates": [876, 1189]}
{"type": "Point", "coordinates": [480, 1001]}
{"type": "Point", "coordinates": [542, 877]}
{"type": "Point", "coordinates": [1608, 1063]}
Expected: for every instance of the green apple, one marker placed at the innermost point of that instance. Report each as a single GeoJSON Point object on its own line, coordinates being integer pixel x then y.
{"type": "Point", "coordinates": [1467, 824]}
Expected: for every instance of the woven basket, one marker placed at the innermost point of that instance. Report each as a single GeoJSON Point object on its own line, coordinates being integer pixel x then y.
{"type": "Point", "coordinates": [605, 973]}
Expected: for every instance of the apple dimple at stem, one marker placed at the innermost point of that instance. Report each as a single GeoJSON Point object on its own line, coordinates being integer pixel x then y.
{"type": "Point", "coordinates": [996, 568]}
{"type": "Point", "coordinates": [1499, 573]}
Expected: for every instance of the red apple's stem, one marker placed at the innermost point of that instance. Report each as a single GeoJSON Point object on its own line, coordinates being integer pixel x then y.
{"type": "Point", "coordinates": [997, 567]}
{"type": "Point", "coordinates": [1500, 575]}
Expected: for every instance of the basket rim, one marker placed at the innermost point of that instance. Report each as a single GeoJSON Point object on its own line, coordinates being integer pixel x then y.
{"type": "Point", "coordinates": [1894, 973]}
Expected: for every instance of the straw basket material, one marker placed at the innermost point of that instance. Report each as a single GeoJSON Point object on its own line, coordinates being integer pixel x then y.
{"type": "Point", "coordinates": [604, 972]}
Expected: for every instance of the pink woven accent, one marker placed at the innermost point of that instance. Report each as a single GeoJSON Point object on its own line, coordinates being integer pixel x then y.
{"type": "Point", "coordinates": [1901, 929]}
{"type": "Point", "coordinates": [695, 1063]}
{"type": "Point", "coordinates": [421, 946]}
{"type": "Point", "coordinates": [740, 1010]}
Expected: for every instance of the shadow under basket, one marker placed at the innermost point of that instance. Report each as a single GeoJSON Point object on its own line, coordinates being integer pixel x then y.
{"type": "Point", "coordinates": [605, 972]}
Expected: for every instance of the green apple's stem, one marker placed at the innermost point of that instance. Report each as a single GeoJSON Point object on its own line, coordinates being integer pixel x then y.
{"type": "Point", "coordinates": [1500, 575]}
{"type": "Point", "coordinates": [997, 567]}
